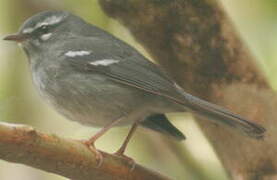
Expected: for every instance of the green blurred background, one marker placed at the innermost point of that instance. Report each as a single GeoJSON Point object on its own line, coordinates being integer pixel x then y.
{"type": "Point", "coordinates": [193, 159]}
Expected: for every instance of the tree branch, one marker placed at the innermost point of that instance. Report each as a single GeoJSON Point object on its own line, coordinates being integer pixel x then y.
{"type": "Point", "coordinates": [66, 157]}
{"type": "Point", "coordinates": [197, 44]}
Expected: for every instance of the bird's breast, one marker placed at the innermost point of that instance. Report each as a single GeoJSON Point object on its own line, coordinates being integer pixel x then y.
{"type": "Point", "coordinates": [87, 98]}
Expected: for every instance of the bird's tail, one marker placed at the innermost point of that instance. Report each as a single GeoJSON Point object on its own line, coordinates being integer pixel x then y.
{"type": "Point", "coordinates": [222, 116]}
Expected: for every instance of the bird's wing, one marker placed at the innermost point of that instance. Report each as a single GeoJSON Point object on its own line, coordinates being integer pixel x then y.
{"type": "Point", "coordinates": [134, 70]}
{"type": "Point", "coordinates": [129, 68]}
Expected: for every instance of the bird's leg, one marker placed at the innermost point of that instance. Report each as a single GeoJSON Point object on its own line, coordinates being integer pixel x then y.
{"type": "Point", "coordinates": [121, 150]}
{"type": "Point", "coordinates": [90, 143]}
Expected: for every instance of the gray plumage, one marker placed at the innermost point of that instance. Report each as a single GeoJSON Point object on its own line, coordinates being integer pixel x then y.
{"type": "Point", "coordinates": [92, 77]}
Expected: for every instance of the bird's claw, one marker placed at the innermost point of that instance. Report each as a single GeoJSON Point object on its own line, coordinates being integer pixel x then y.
{"type": "Point", "coordinates": [130, 161]}
{"type": "Point", "coordinates": [98, 155]}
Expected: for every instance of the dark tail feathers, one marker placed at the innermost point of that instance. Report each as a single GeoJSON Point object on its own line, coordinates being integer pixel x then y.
{"type": "Point", "coordinates": [223, 116]}
{"type": "Point", "coordinates": [160, 123]}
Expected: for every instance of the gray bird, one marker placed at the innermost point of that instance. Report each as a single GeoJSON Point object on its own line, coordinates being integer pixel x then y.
{"type": "Point", "coordinates": [92, 77]}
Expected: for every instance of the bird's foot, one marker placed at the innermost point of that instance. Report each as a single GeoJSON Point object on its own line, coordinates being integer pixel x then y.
{"type": "Point", "coordinates": [130, 161]}
{"type": "Point", "coordinates": [98, 155]}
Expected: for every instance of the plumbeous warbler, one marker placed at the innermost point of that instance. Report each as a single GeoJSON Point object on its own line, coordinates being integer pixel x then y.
{"type": "Point", "coordinates": [92, 77]}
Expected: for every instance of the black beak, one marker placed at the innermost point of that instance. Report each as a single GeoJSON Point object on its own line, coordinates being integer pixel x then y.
{"type": "Point", "coordinates": [16, 37]}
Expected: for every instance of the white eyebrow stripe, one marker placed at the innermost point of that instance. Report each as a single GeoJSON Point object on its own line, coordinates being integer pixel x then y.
{"type": "Point", "coordinates": [77, 53]}
{"type": "Point", "coordinates": [50, 21]}
{"type": "Point", "coordinates": [104, 62]}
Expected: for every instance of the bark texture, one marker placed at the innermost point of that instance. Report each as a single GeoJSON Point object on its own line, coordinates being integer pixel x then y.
{"type": "Point", "coordinates": [68, 158]}
{"type": "Point", "coordinates": [195, 41]}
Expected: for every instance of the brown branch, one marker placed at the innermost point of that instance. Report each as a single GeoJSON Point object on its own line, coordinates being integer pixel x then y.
{"type": "Point", "coordinates": [197, 44]}
{"type": "Point", "coordinates": [66, 157]}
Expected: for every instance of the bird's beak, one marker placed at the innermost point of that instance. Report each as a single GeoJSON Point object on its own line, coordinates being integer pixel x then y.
{"type": "Point", "coordinates": [16, 37]}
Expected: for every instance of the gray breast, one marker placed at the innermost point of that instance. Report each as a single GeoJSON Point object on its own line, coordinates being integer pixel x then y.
{"type": "Point", "coordinates": [87, 98]}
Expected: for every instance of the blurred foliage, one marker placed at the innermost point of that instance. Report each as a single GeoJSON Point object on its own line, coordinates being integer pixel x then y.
{"type": "Point", "coordinates": [192, 159]}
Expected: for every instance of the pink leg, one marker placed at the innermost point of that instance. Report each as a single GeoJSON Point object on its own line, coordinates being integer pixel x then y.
{"type": "Point", "coordinates": [121, 150]}
{"type": "Point", "coordinates": [90, 143]}
{"type": "Point", "coordinates": [100, 133]}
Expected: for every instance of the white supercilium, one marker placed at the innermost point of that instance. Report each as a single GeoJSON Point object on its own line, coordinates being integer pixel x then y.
{"type": "Point", "coordinates": [48, 21]}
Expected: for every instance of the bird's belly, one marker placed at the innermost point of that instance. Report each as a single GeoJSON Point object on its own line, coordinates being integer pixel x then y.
{"type": "Point", "coordinates": [91, 100]}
